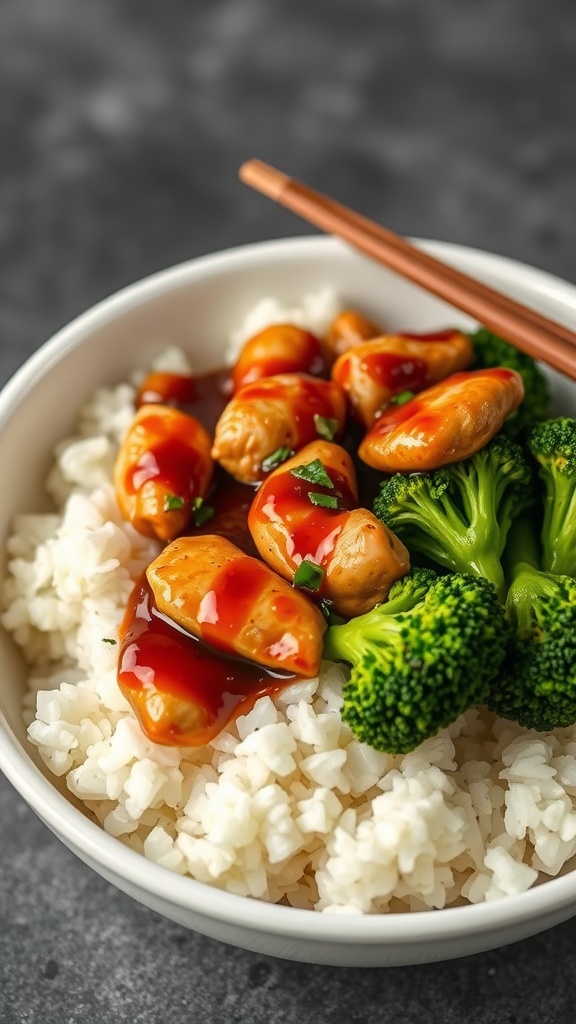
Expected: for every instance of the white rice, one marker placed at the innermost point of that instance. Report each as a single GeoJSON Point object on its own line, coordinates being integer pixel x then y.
{"type": "Point", "coordinates": [285, 805]}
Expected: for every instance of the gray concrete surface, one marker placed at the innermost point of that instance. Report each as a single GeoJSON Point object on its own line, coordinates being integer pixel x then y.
{"type": "Point", "coordinates": [122, 125]}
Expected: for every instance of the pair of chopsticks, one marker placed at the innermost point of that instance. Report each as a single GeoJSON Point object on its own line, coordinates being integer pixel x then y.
{"type": "Point", "coordinates": [525, 328]}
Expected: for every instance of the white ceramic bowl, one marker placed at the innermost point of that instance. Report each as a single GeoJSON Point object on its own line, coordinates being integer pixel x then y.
{"type": "Point", "coordinates": [195, 305]}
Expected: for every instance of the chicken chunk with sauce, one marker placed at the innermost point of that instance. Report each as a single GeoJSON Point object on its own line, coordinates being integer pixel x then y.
{"type": "Point", "coordinates": [306, 524]}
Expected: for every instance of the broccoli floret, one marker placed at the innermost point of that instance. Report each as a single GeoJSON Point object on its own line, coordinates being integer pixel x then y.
{"type": "Point", "coordinates": [419, 659]}
{"type": "Point", "coordinates": [491, 350]}
{"type": "Point", "coordinates": [459, 515]}
{"type": "Point", "coordinates": [553, 445]}
{"type": "Point", "coordinates": [537, 688]}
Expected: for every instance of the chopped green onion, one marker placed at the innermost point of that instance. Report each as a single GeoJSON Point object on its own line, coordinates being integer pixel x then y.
{"type": "Point", "coordinates": [325, 427]}
{"type": "Point", "coordinates": [173, 501]}
{"type": "Point", "coordinates": [402, 398]}
{"type": "Point", "coordinates": [324, 500]}
{"type": "Point", "coordinates": [309, 575]}
{"type": "Point", "coordinates": [326, 609]}
{"type": "Point", "coordinates": [108, 640]}
{"type": "Point", "coordinates": [276, 459]}
{"type": "Point", "coordinates": [314, 473]}
{"type": "Point", "coordinates": [201, 513]}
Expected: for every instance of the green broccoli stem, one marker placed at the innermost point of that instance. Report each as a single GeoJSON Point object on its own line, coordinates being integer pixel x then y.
{"type": "Point", "coordinates": [530, 590]}
{"type": "Point", "coordinates": [558, 548]}
{"type": "Point", "coordinates": [529, 587]}
{"type": "Point", "coordinates": [469, 553]}
{"type": "Point", "coordinates": [487, 565]}
{"type": "Point", "coordinates": [553, 446]}
{"type": "Point", "coordinates": [356, 638]}
{"type": "Point", "coordinates": [484, 555]}
{"type": "Point", "coordinates": [522, 547]}
{"type": "Point", "coordinates": [350, 640]}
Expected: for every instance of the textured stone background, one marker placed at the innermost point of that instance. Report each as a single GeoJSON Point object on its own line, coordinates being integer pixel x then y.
{"type": "Point", "coordinates": [122, 125]}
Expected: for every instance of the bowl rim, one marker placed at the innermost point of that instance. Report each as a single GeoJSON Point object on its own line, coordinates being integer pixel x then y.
{"type": "Point", "coordinates": [87, 837]}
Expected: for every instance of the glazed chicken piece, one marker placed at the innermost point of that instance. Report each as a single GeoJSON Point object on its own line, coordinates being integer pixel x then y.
{"type": "Point", "coordinates": [306, 526]}
{"type": "Point", "coordinates": [445, 423]}
{"type": "Point", "coordinates": [237, 604]}
{"type": "Point", "coordinates": [163, 470]}
{"type": "Point", "coordinates": [183, 691]}
{"type": "Point", "coordinates": [268, 420]}
{"type": "Point", "coordinates": [348, 328]}
{"type": "Point", "coordinates": [280, 348]}
{"type": "Point", "coordinates": [373, 372]}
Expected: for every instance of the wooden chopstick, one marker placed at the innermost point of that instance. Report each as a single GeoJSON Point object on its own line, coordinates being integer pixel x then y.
{"type": "Point", "coordinates": [528, 330]}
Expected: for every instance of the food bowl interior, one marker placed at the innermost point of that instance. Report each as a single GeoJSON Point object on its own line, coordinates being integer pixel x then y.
{"type": "Point", "coordinates": [195, 306]}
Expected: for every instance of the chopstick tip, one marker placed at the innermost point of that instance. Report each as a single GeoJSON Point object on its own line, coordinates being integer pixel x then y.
{"type": "Point", "coordinates": [263, 178]}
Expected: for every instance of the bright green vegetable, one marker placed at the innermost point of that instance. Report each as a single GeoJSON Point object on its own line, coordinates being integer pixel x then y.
{"type": "Point", "coordinates": [419, 659]}
{"type": "Point", "coordinates": [491, 350]}
{"type": "Point", "coordinates": [309, 575]}
{"type": "Point", "coordinates": [538, 684]}
{"type": "Point", "coordinates": [553, 445]}
{"type": "Point", "coordinates": [459, 515]}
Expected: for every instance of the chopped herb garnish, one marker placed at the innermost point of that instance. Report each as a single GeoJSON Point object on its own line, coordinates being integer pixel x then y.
{"type": "Point", "coordinates": [314, 473]}
{"type": "Point", "coordinates": [201, 513]}
{"type": "Point", "coordinates": [309, 575]}
{"type": "Point", "coordinates": [108, 640]}
{"type": "Point", "coordinates": [325, 427]}
{"type": "Point", "coordinates": [324, 500]}
{"type": "Point", "coordinates": [276, 459]}
{"type": "Point", "coordinates": [173, 501]}
{"type": "Point", "coordinates": [402, 398]}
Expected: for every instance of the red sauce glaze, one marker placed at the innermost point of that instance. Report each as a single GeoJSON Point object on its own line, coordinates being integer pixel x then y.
{"type": "Point", "coordinates": [166, 388]}
{"type": "Point", "coordinates": [230, 502]}
{"type": "Point", "coordinates": [310, 397]}
{"type": "Point", "coordinates": [307, 359]}
{"type": "Point", "coordinates": [418, 407]}
{"type": "Point", "coordinates": [203, 396]}
{"type": "Point", "coordinates": [227, 607]}
{"type": "Point", "coordinates": [169, 676]}
{"type": "Point", "coordinates": [182, 691]}
{"type": "Point", "coordinates": [398, 414]}
{"type": "Point", "coordinates": [173, 463]}
{"type": "Point", "coordinates": [395, 372]}
{"type": "Point", "coordinates": [311, 531]}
